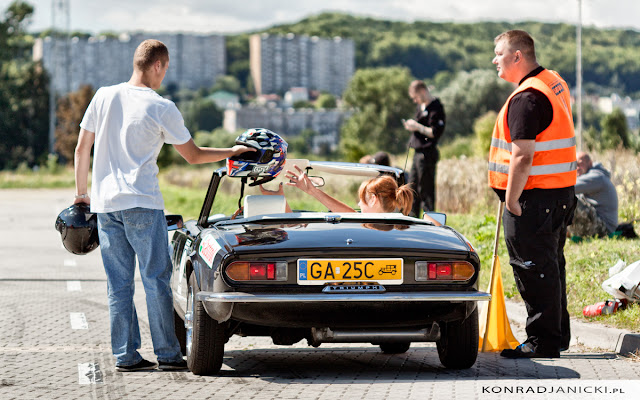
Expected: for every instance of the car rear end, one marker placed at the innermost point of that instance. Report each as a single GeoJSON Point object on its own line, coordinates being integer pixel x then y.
{"type": "Point", "coordinates": [359, 279]}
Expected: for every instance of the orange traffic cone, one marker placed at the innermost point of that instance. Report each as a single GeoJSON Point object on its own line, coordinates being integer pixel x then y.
{"type": "Point", "coordinates": [495, 330]}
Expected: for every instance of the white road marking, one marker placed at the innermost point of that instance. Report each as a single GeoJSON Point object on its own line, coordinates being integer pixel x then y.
{"type": "Point", "coordinates": [78, 321]}
{"type": "Point", "coordinates": [89, 374]}
{"type": "Point", "coordinates": [70, 262]}
{"type": "Point", "coordinates": [74, 286]}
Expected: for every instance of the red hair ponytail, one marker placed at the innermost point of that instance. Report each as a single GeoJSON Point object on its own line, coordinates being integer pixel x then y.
{"type": "Point", "coordinates": [392, 198]}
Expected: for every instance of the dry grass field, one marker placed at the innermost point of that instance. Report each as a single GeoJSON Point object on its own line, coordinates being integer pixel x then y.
{"type": "Point", "coordinates": [462, 184]}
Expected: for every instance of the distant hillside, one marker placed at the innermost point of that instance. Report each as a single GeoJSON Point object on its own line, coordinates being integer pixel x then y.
{"type": "Point", "coordinates": [610, 57]}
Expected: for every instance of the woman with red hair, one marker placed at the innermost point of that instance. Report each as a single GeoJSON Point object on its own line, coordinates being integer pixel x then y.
{"type": "Point", "coordinates": [377, 195]}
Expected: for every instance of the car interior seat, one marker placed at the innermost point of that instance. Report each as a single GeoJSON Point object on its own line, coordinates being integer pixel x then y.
{"type": "Point", "coordinates": [263, 204]}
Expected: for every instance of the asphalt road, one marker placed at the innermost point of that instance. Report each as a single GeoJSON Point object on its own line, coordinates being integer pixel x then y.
{"type": "Point", "coordinates": [54, 343]}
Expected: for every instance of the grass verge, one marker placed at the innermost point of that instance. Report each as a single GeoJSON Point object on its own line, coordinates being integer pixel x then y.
{"type": "Point", "coordinates": [588, 264]}
{"type": "Point", "coordinates": [41, 179]}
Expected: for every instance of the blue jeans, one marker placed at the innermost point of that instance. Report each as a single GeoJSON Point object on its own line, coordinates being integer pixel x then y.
{"type": "Point", "coordinates": [123, 235]}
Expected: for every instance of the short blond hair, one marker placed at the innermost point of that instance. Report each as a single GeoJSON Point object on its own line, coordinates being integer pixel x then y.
{"type": "Point", "coordinates": [148, 52]}
{"type": "Point", "coordinates": [519, 40]}
{"type": "Point", "coordinates": [417, 85]}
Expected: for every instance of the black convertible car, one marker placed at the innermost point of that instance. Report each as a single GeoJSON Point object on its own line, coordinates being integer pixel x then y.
{"type": "Point", "coordinates": [385, 279]}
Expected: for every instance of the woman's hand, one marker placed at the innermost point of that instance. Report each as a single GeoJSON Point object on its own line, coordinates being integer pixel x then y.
{"type": "Point", "coordinates": [299, 180]}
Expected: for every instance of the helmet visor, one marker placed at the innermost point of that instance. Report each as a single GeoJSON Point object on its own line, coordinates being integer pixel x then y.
{"type": "Point", "coordinates": [261, 157]}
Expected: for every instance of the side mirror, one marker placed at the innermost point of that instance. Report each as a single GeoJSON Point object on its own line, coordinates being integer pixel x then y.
{"type": "Point", "coordinates": [317, 181]}
{"type": "Point", "coordinates": [174, 221]}
{"type": "Point", "coordinates": [438, 218]}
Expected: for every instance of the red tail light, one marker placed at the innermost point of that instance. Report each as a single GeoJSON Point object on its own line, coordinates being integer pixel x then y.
{"type": "Point", "coordinates": [257, 271]}
{"type": "Point", "coordinates": [443, 271]}
{"type": "Point", "coordinates": [262, 271]}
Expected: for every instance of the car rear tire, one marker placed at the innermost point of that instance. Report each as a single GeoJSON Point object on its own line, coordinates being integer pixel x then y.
{"type": "Point", "coordinates": [181, 332]}
{"type": "Point", "coordinates": [458, 343]}
{"type": "Point", "coordinates": [205, 338]}
{"type": "Point", "coordinates": [395, 348]}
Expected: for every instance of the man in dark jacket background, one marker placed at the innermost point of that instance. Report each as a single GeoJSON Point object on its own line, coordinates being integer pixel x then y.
{"type": "Point", "coordinates": [426, 129]}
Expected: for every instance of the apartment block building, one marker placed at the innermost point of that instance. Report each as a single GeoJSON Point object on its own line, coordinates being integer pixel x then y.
{"type": "Point", "coordinates": [288, 122]}
{"type": "Point", "coordinates": [196, 60]}
{"type": "Point", "coordinates": [279, 63]}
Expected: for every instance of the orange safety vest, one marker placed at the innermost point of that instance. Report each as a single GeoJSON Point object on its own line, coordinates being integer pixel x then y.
{"type": "Point", "coordinates": [554, 161]}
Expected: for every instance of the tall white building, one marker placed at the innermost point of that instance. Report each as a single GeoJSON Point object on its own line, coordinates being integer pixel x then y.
{"type": "Point", "coordinates": [195, 60]}
{"type": "Point", "coordinates": [279, 63]}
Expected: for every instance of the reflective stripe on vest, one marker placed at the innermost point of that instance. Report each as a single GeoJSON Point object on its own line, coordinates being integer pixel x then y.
{"type": "Point", "coordinates": [554, 159]}
{"type": "Point", "coordinates": [538, 170]}
{"type": "Point", "coordinates": [540, 146]}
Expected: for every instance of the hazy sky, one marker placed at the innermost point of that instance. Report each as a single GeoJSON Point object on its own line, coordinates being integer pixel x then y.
{"type": "Point", "coordinates": [229, 16]}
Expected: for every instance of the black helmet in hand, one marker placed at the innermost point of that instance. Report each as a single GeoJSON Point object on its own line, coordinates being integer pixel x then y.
{"type": "Point", "coordinates": [78, 227]}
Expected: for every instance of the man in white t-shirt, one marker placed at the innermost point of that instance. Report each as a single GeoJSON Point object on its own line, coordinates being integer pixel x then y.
{"type": "Point", "coordinates": [127, 125]}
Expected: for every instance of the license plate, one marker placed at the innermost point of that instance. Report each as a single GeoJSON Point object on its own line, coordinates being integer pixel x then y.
{"type": "Point", "coordinates": [319, 271]}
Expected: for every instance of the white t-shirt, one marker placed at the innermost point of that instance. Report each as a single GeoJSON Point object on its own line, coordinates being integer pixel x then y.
{"type": "Point", "coordinates": [130, 124]}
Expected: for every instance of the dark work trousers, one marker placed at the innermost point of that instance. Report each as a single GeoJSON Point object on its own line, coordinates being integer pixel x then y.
{"type": "Point", "coordinates": [535, 241]}
{"type": "Point", "coordinates": [423, 180]}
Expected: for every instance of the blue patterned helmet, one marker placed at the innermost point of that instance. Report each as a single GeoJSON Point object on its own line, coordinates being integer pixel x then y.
{"type": "Point", "coordinates": [266, 162]}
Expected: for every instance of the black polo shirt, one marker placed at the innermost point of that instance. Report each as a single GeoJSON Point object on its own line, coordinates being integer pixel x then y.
{"type": "Point", "coordinates": [530, 112]}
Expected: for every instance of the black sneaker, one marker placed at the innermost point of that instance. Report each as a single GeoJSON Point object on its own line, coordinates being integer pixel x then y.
{"type": "Point", "coordinates": [526, 350]}
{"type": "Point", "coordinates": [143, 365]}
{"type": "Point", "coordinates": [172, 366]}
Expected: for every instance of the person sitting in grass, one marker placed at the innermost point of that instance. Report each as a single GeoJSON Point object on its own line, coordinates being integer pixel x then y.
{"type": "Point", "coordinates": [596, 213]}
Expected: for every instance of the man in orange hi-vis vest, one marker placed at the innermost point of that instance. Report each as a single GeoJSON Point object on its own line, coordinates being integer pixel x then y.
{"type": "Point", "coordinates": [532, 168]}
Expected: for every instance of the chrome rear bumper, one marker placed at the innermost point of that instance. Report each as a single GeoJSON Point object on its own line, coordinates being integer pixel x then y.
{"type": "Point", "coordinates": [240, 297]}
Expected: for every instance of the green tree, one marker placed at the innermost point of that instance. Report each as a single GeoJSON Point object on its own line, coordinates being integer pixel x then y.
{"type": "Point", "coordinates": [301, 144]}
{"type": "Point", "coordinates": [471, 95]}
{"type": "Point", "coordinates": [380, 98]}
{"type": "Point", "coordinates": [615, 131]}
{"type": "Point", "coordinates": [483, 130]}
{"type": "Point", "coordinates": [302, 104]}
{"type": "Point", "coordinates": [591, 118]}
{"type": "Point", "coordinates": [227, 83]}
{"type": "Point", "coordinates": [218, 138]}
{"type": "Point", "coordinates": [326, 100]}
{"type": "Point", "coordinates": [201, 115]}
{"type": "Point", "coordinates": [71, 109]}
{"type": "Point", "coordinates": [423, 59]}
{"type": "Point", "coordinates": [238, 59]}
{"type": "Point", "coordinates": [591, 138]}
{"type": "Point", "coordinates": [23, 93]}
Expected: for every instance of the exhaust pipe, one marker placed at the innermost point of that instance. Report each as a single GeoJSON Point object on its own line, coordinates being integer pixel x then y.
{"type": "Point", "coordinates": [328, 335]}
